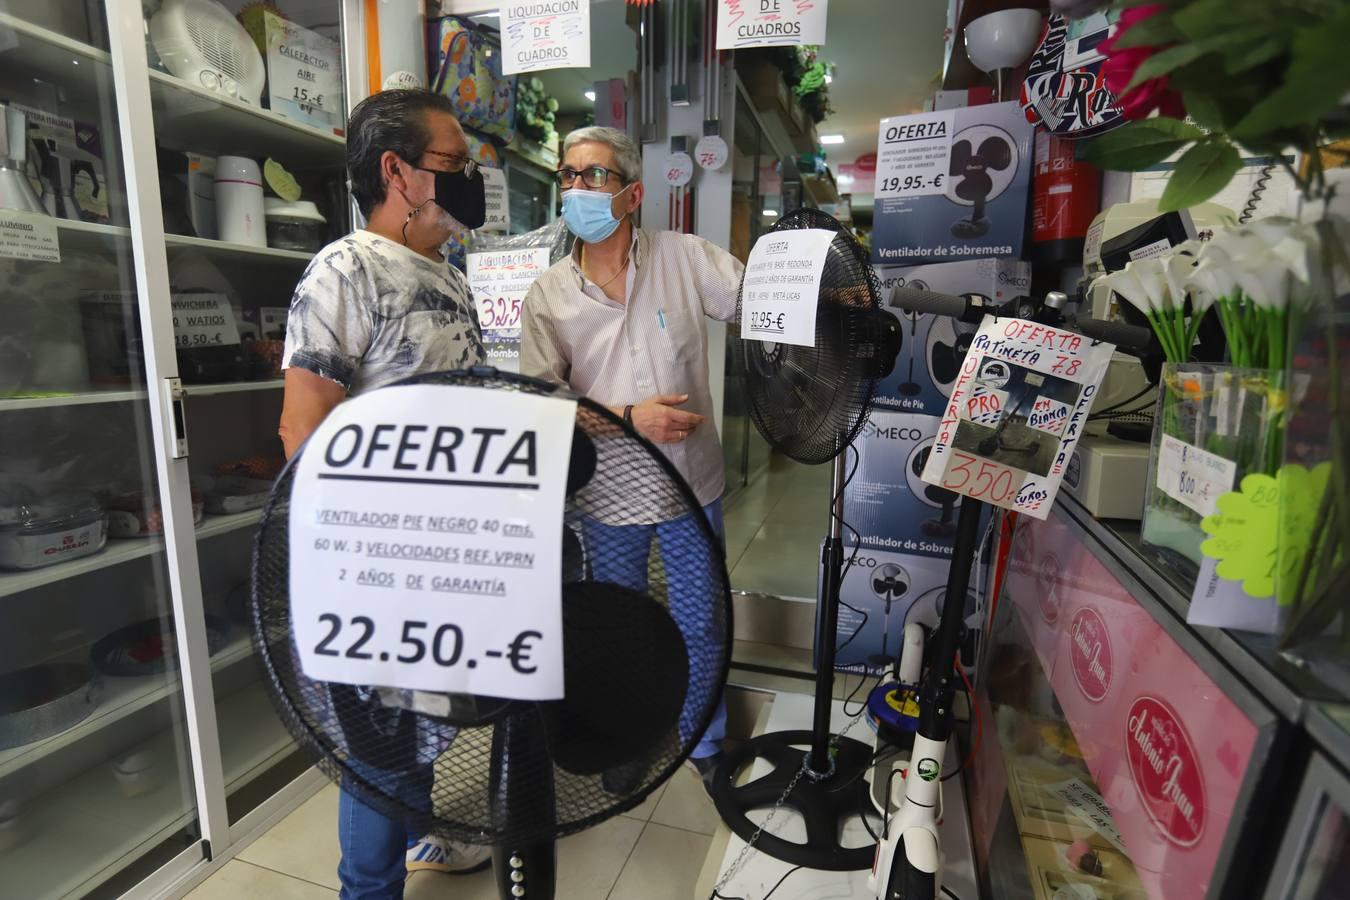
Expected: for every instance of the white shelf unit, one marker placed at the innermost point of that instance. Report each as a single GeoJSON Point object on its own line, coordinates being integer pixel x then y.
{"type": "Point", "coordinates": [187, 117]}
{"type": "Point", "coordinates": [226, 250]}
{"type": "Point", "coordinates": [118, 551]}
{"type": "Point", "coordinates": [122, 697]}
{"type": "Point", "coordinates": [122, 396]}
{"type": "Point", "coordinates": [84, 832]}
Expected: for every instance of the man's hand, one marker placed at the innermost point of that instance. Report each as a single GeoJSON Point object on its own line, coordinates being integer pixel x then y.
{"type": "Point", "coordinates": [657, 419]}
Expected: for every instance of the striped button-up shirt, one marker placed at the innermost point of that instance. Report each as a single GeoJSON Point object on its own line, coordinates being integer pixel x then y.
{"type": "Point", "coordinates": [656, 343]}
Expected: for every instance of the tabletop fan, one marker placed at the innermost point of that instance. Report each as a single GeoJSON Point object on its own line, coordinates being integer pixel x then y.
{"type": "Point", "coordinates": [646, 644]}
{"type": "Point", "coordinates": [983, 165]}
{"type": "Point", "coordinates": [809, 404]}
{"type": "Point", "coordinates": [890, 582]}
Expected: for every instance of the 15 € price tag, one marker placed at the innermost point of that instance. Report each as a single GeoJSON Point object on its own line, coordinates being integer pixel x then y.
{"type": "Point", "coordinates": [203, 320]}
{"type": "Point", "coordinates": [303, 73]}
{"type": "Point", "coordinates": [913, 153]}
{"type": "Point", "coordinates": [426, 542]}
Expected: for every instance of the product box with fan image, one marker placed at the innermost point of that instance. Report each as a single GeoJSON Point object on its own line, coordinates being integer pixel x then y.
{"type": "Point", "coordinates": [65, 166]}
{"type": "Point", "coordinates": [932, 347]}
{"type": "Point", "coordinates": [952, 184]}
{"type": "Point", "coordinates": [886, 501]}
{"type": "Point", "coordinates": [892, 590]}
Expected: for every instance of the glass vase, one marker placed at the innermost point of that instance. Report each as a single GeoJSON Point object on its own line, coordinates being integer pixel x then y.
{"type": "Point", "coordinates": [1214, 425]}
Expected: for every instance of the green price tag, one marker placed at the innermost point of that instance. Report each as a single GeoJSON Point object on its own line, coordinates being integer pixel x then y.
{"type": "Point", "coordinates": [1261, 531]}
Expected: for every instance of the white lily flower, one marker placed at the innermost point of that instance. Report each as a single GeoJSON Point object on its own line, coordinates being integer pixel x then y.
{"type": "Point", "coordinates": [1141, 283]}
{"type": "Point", "coordinates": [1265, 278]}
{"type": "Point", "coordinates": [1212, 278]}
{"type": "Point", "coordinates": [1176, 269]}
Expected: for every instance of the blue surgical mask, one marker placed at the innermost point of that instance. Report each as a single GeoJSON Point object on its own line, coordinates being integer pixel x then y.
{"type": "Point", "coordinates": [588, 214]}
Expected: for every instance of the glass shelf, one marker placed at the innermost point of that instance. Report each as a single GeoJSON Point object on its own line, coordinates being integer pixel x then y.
{"type": "Point", "coordinates": [118, 551]}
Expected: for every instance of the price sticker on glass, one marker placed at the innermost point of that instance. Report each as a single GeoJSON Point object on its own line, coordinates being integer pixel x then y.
{"type": "Point", "coordinates": [426, 542]}
{"type": "Point", "coordinates": [203, 320]}
{"type": "Point", "coordinates": [303, 73]}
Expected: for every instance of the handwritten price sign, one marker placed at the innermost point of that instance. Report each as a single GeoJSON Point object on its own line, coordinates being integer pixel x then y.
{"type": "Point", "coordinates": [1016, 411]}
{"type": "Point", "coordinates": [982, 479]}
{"type": "Point", "coordinates": [499, 312]}
{"type": "Point", "coordinates": [679, 169]}
{"type": "Point", "coordinates": [711, 152]}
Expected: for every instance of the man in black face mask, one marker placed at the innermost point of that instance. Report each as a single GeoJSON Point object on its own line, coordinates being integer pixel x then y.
{"type": "Point", "coordinates": [376, 306]}
{"type": "Point", "coordinates": [381, 304]}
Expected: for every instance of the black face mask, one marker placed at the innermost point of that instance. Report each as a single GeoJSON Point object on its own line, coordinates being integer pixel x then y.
{"type": "Point", "coordinates": [462, 195]}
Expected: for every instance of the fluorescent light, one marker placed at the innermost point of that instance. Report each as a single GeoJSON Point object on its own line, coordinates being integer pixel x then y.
{"type": "Point", "coordinates": [590, 95]}
{"type": "Point", "coordinates": [829, 79]}
{"type": "Point", "coordinates": [831, 138]}
{"type": "Point", "coordinates": [770, 212]}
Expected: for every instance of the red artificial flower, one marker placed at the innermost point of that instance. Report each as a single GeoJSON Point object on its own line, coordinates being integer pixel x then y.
{"type": "Point", "coordinates": [1120, 65]}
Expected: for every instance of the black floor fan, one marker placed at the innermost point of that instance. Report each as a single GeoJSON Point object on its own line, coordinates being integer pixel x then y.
{"type": "Point", "coordinates": [809, 404]}
{"type": "Point", "coordinates": [646, 644]}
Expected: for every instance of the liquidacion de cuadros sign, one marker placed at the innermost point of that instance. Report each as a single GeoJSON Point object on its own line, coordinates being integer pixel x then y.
{"type": "Point", "coordinates": [544, 8]}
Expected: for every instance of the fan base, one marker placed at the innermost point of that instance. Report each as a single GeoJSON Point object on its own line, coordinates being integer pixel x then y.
{"type": "Point", "coordinates": [970, 228]}
{"type": "Point", "coordinates": [825, 805]}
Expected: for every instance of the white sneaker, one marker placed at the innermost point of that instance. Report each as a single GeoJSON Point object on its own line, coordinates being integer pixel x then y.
{"type": "Point", "coordinates": [436, 854]}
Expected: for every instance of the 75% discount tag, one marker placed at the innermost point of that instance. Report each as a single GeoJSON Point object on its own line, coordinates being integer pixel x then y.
{"type": "Point", "coordinates": [711, 152]}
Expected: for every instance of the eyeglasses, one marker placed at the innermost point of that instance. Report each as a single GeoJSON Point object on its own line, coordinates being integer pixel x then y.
{"type": "Point", "coordinates": [591, 176]}
{"type": "Point", "coordinates": [459, 163]}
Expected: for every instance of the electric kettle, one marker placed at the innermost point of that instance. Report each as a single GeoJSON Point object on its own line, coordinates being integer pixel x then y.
{"type": "Point", "coordinates": [16, 192]}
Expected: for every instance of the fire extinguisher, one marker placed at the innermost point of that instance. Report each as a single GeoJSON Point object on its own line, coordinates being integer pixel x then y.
{"type": "Point", "coordinates": [1066, 194]}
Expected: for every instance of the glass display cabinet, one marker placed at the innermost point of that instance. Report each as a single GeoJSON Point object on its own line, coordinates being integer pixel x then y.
{"type": "Point", "coordinates": [168, 170]}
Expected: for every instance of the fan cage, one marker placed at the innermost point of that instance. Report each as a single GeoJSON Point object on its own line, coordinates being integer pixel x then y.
{"type": "Point", "coordinates": [809, 403]}
{"type": "Point", "coordinates": [442, 776]}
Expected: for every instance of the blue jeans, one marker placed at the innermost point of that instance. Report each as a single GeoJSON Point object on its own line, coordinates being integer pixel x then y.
{"type": "Point", "coordinates": [624, 562]}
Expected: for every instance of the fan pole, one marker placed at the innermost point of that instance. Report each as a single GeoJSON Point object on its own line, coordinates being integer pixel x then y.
{"type": "Point", "coordinates": [827, 623]}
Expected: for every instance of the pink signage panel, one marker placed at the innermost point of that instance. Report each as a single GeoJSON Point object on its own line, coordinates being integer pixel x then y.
{"type": "Point", "coordinates": [1166, 746]}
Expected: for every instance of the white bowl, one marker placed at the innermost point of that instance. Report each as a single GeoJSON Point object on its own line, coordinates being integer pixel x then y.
{"type": "Point", "coordinates": [1003, 39]}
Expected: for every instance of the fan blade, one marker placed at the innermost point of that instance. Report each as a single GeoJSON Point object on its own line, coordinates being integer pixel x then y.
{"type": "Point", "coordinates": [612, 714]}
{"type": "Point", "coordinates": [582, 466]}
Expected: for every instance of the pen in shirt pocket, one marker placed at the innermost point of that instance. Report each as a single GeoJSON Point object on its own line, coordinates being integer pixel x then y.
{"type": "Point", "coordinates": [661, 317]}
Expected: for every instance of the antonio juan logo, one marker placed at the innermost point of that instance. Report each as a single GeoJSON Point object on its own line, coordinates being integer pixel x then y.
{"type": "Point", "coordinates": [1048, 580]}
{"type": "Point", "coordinates": [1091, 654]}
{"type": "Point", "coordinates": [1166, 771]}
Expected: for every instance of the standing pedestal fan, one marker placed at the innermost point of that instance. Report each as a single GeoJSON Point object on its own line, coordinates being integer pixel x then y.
{"type": "Point", "coordinates": [646, 645]}
{"type": "Point", "coordinates": [809, 404]}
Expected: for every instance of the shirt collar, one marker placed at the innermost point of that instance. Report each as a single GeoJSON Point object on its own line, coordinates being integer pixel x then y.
{"type": "Point", "coordinates": [637, 252]}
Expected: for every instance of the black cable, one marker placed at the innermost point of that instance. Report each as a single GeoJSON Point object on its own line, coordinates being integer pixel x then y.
{"type": "Point", "coordinates": [1101, 413]}
{"type": "Point", "coordinates": [1258, 188]}
{"type": "Point", "coordinates": [970, 704]}
{"type": "Point", "coordinates": [946, 890]}
{"type": "Point", "coordinates": [717, 895]}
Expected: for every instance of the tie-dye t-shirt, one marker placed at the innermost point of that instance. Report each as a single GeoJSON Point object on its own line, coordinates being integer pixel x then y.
{"type": "Point", "coordinates": [369, 312]}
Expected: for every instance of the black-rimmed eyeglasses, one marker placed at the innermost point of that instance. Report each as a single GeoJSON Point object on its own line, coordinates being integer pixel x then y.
{"type": "Point", "coordinates": [591, 176]}
{"type": "Point", "coordinates": [458, 163]}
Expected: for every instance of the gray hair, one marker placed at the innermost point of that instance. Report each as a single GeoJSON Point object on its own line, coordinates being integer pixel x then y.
{"type": "Point", "coordinates": [627, 155]}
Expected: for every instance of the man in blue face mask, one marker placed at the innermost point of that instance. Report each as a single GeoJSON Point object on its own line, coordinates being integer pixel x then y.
{"type": "Point", "coordinates": [623, 321]}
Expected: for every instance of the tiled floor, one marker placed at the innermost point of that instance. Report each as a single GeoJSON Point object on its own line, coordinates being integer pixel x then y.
{"type": "Point", "coordinates": [774, 529]}
{"type": "Point", "coordinates": [654, 852]}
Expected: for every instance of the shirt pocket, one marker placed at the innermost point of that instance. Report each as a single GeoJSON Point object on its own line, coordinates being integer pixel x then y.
{"type": "Point", "coordinates": [681, 334]}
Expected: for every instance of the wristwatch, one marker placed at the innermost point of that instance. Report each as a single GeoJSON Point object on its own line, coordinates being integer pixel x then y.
{"type": "Point", "coordinates": [628, 415]}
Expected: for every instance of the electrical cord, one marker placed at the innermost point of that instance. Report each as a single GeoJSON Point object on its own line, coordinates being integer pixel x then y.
{"type": "Point", "coordinates": [978, 722]}
{"type": "Point", "coordinates": [1105, 413]}
{"type": "Point", "coordinates": [720, 896]}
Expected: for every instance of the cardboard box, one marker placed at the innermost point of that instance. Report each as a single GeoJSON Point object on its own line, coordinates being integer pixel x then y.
{"type": "Point", "coordinates": [915, 588]}
{"type": "Point", "coordinates": [932, 347]}
{"type": "Point", "coordinates": [952, 184]}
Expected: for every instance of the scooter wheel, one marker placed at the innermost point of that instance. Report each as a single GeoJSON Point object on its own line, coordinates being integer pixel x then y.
{"type": "Point", "coordinates": [909, 883]}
